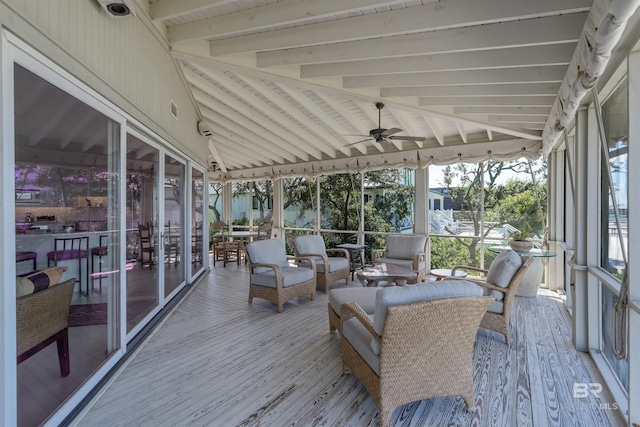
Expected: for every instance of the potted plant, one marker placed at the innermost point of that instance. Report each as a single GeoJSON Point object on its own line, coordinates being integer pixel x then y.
{"type": "Point", "coordinates": [519, 240]}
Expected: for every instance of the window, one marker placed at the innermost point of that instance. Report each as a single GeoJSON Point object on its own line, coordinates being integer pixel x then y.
{"type": "Point", "coordinates": [615, 116]}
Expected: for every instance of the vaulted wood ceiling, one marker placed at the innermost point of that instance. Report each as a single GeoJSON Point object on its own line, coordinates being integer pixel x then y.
{"type": "Point", "coordinates": [292, 81]}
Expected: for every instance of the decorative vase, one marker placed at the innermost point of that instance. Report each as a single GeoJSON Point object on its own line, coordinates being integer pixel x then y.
{"type": "Point", "coordinates": [521, 245]}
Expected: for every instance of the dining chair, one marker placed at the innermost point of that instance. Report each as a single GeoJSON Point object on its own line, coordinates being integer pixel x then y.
{"type": "Point", "coordinates": [71, 248]}
{"type": "Point", "coordinates": [147, 250]}
{"type": "Point", "coordinates": [100, 251]}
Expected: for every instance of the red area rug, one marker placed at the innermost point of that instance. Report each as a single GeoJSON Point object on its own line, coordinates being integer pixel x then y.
{"type": "Point", "coordinates": [96, 314]}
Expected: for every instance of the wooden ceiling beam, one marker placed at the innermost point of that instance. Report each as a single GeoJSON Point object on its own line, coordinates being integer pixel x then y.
{"type": "Point", "coordinates": [533, 111]}
{"type": "Point", "coordinates": [524, 101]}
{"type": "Point", "coordinates": [537, 89]}
{"type": "Point", "coordinates": [167, 9]}
{"type": "Point", "coordinates": [284, 12]}
{"type": "Point", "coordinates": [540, 31]}
{"type": "Point", "coordinates": [536, 74]}
{"type": "Point", "coordinates": [431, 16]}
{"type": "Point", "coordinates": [522, 56]}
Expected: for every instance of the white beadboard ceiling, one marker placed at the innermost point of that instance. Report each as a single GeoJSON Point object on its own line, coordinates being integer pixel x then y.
{"type": "Point", "coordinates": [293, 81]}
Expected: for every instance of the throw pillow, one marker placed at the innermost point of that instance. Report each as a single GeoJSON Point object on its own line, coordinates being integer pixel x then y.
{"type": "Point", "coordinates": [40, 280]}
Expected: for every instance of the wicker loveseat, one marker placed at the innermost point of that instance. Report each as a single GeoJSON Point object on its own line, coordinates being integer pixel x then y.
{"type": "Point", "coordinates": [412, 351]}
{"type": "Point", "coordinates": [405, 250]}
{"type": "Point", "coordinates": [41, 319]}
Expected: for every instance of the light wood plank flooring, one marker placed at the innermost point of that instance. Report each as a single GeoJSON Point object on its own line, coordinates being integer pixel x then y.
{"type": "Point", "coordinates": [219, 361]}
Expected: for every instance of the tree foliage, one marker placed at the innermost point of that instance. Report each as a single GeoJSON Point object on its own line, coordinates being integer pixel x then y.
{"type": "Point", "coordinates": [518, 202]}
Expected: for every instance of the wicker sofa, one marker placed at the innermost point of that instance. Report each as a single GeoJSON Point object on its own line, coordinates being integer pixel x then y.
{"type": "Point", "coordinates": [399, 359]}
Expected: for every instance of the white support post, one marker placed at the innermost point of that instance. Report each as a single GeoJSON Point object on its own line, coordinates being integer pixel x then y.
{"type": "Point", "coordinates": [592, 236]}
{"type": "Point", "coordinates": [421, 200]}
{"type": "Point", "coordinates": [226, 202]}
{"type": "Point", "coordinates": [421, 208]}
{"type": "Point", "coordinates": [633, 218]}
{"type": "Point", "coordinates": [277, 210]}
{"type": "Point", "coordinates": [361, 221]}
{"type": "Point", "coordinates": [569, 216]}
{"type": "Point", "coordinates": [579, 289]}
{"type": "Point", "coordinates": [555, 209]}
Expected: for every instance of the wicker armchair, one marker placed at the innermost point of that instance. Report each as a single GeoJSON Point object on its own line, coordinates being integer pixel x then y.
{"type": "Point", "coordinates": [420, 355]}
{"type": "Point", "coordinates": [498, 317]}
{"type": "Point", "coordinates": [328, 269]}
{"type": "Point", "coordinates": [273, 279]}
{"type": "Point", "coordinates": [42, 319]}
{"type": "Point", "coordinates": [405, 250]}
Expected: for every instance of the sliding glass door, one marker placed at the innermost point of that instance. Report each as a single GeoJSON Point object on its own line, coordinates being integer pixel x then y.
{"type": "Point", "coordinates": [173, 228]}
{"type": "Point", "coordinates": [142, 230]}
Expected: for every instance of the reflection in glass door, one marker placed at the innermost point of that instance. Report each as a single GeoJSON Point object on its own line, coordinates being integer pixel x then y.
{"type": "Point", "coordinates": [173, 232]}
{"type": "Point", "coordinates": [142, 230]}
{"type": "Point", "coordinates": [68, 216]}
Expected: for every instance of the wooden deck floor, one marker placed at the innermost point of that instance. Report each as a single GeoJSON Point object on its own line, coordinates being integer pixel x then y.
{"type": "Point", "coordinates": [219, 361]}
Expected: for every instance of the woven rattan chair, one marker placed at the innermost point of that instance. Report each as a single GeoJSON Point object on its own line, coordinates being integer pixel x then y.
{"type": "Point", "coordinates": [41, 319]}
{"type": "Point", "coordinates": [498, 318]}
{"type": "Point", "coordinates": [273, 279]}
{"type": "Point", "coordinates": [329, 269]}
{"type": "Point", "coordinates": [405, 250]}
{"type": "Point", "coordinates": [420, 354]}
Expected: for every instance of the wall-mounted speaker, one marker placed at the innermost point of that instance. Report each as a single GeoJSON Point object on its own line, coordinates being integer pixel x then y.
{"type": "Point", "coordinates": [204, 129]}
{"type": "Point", "coordinates": [117, 9]}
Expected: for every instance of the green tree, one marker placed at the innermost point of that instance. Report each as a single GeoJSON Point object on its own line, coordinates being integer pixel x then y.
{"type": "Point", "coordinates": [513, 203]}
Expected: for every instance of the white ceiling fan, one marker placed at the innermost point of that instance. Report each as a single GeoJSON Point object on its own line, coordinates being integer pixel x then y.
{"type": "Point", "coordinates": [385, 135]}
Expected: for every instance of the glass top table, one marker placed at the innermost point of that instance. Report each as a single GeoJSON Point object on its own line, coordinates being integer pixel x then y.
{"type": "Point", "coordinates": [535, 252]}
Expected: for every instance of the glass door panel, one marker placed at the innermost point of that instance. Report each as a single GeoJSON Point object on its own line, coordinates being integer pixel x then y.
{"type": "Point", "coordinates": [67, 193]}
{"type": "Point", "coordinates": [197, 221]}
{"type": "Point", "coordinates": [173, 237]}
{"type": "Point", "coordinates": [142, 230]}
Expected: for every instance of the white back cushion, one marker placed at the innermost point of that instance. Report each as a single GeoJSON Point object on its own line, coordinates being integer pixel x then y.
{"type": "Point", "coordinates": [270, 251]}
{"type": "Point", "coordinates": [397, 295]}
{"type": "Point", "coordinates": [399, 246]}
{"type": "Point", "coordinates": [503, 268]}
{"type": "Point", "coordinates": [310, 245]}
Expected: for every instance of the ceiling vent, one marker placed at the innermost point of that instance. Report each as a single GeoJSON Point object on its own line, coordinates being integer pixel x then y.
{"type": "Point", "coordinates": [204, 129]}
{"type": "Point", "coordinates": [117, 9]}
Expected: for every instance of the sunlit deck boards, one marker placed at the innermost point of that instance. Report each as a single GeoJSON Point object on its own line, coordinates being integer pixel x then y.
{"type": "Point", "coordinates": [219, 361]}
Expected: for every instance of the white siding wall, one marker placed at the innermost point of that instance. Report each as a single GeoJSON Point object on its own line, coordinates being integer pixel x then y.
{"type": "Point", "coordinates": [122, 59]}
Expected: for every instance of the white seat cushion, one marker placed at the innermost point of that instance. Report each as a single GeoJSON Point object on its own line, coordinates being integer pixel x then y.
{"type": "Point", "coordinates": [290, 276]}
{"type": "Point", "coordinates": [404, 263]}
{"type": "Point", "coordinates": [364, 297]}
{"type": "Point", "coordinates": [335, 264]}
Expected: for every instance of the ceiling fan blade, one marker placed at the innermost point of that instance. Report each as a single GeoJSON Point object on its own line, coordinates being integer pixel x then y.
{"type": "Point", "coordinates": [358, 142]}
{"type": "Point", "coordinates": [407, 138]}
{"type": "Point", "coordinates": [389, 132]}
